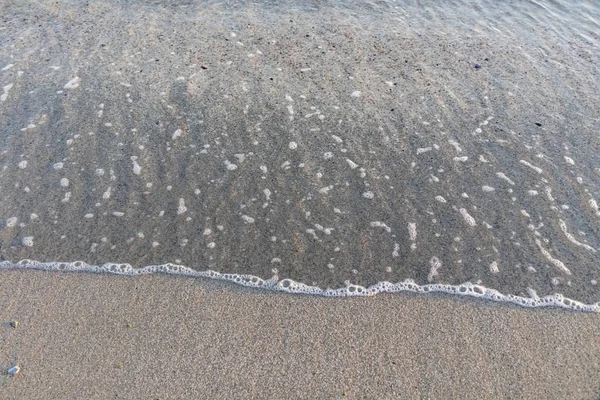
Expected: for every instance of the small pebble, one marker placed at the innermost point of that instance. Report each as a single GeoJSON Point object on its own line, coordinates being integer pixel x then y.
{"type": "Point", "coordinates": [14, 370]}
{"type": "Point", "coordinates": [14, 324]}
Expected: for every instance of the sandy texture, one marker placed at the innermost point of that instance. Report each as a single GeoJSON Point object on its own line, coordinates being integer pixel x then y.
{"type": "Point", "coordinates": [96, 336]}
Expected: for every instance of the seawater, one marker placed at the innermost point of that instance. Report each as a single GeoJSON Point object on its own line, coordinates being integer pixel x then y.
{"type": "Point", "coordinates": [344, 148]}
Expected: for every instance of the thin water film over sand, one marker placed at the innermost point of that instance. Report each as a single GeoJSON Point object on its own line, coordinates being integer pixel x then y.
{"type": "Point", "coordinates": [342, 142]}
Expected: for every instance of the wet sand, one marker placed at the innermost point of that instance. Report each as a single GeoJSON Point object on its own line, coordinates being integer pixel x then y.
{"type": "Point", "coordinates": [156, 337]}
{"type": "Point", "coordinates": [333, 142]}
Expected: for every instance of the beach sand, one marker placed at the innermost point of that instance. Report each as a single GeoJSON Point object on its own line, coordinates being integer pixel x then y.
{"type": "Point", "coordinates": [157, 337]}
{"type": "Point", "coordinates": [351, 141]}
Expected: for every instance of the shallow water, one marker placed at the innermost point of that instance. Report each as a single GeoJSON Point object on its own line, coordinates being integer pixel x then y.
{"type": "Point", "coordinates": [328, 143]}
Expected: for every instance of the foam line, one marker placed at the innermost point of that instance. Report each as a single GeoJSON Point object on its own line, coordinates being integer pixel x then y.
{"type": "Point", "coordinates": [291, 286]}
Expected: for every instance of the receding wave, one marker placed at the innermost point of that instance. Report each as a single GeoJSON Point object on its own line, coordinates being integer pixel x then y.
{"type": "Point", "coordinates": [366, 142]}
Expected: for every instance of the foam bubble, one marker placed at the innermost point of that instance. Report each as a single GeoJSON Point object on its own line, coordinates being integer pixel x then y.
{"type": "Point", "coordinates": [351, 163]}
{"type": "Point", "coordinates": [412, 234]}
{"type": "Point", "coordinates": [247, 219]}
{"type": "Point", "coordinates": [467, 217]}
{"type": "Point", "coordinates": [571, 238]}
{"type": "Point", "coordinates": [554, 261]}
{"type": "Point", "coordinates": [379, 224]}
{"type": "Point", "coordinates": [533, 167]}
{"type": "Point", "coordinates": [73, 83]}
{"type": "Point", "coordinates": [181, 208]}
{"type": "Point", "coordinates": [230, 166]}
{"type": "Point", "coordinates": [502, 175]}
{"type": "Point", "coordinates": [136, 167]}
{"type": "Point", "coordinates": [494, 267]}
{"type": "Point", "coordinates": [435, 264]}
{"type": "Point", "coordinates": [5, 90]}
{"type": "Point", "coordinates": [267, 193]}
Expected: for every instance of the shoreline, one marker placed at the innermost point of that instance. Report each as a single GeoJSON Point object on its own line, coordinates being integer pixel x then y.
{"type": "Point", "coordinates": [289, 286]}
{"type": "Point", "coordinates": [155, 336]}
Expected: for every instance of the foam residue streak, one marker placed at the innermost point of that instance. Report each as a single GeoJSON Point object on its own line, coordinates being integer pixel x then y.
{"type": "Point", "coordinates": [291, 286]}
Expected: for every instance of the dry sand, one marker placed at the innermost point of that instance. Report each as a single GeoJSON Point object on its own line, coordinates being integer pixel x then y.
{"type": "Point", "coordinates": [157, 337]}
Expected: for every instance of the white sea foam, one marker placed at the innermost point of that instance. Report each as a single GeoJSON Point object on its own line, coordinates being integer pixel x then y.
{"type": "Point", "coordinates": [468, 218]}
{"type": "Point", "coordinates": [73, 83]}
{"type": "Point", "coordinates": [5, 90]}
{"type": "Point", "coordinates": [291, 286]}
{"type": "Point", "coordinates": [247, 219]}
{"type": "Point", "coordinates": [554, 261]}
{"type": "Point", "coordinates": [533, 167]}
{"type": "Point", "coordinates": [435, 264]}
{"type": "Point", "coordinates": [136, 167]}
{"type": "Point", "coordinates": [494, 267]}
{"type": "Point", "coordinates": [351, 163]}
{"type": "Point", "coordinates": [379, 224]}
{"type": "Point", "coordinates": [563, 228]}
{"type": "Point", "coordinates": [502, 175]}
{"type": "Point", "coordinates": [181, 208]}
{"type": "Point", "coordinates": [412, 234]}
